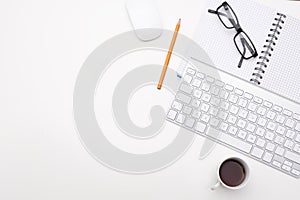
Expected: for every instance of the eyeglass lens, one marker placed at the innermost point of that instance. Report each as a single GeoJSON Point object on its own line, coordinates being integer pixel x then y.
{"type": "Point", "coordinates": [227, 16]}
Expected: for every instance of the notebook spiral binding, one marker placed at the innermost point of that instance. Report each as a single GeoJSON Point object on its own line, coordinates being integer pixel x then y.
{"type": "Point", "coordinates": [264, 58]}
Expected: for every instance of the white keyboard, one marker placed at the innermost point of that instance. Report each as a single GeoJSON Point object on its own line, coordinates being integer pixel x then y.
{"type": "Point", "coordinates": [237, 119]}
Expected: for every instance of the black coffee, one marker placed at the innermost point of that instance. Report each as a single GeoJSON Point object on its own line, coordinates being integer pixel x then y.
{"type": "Point", "coordinates": [232, 172]}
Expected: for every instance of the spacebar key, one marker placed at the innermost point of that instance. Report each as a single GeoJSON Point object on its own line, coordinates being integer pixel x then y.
{"type": "Point", "coordinates": [229, 140]}
{"type": "Point", "coordinates": [292, 156]}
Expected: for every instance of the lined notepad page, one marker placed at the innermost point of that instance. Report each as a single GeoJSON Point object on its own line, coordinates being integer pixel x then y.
{"type": "Point", "coordinates": [254, 18]}
{"type": "Point", "coordinates": [283, 72]}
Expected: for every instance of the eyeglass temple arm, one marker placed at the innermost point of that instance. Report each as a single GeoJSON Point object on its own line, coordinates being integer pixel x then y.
{"type": "Point", "coordinates": [230, 18]}
{"type": "Point", "coordinates": [216, 12]}
{"type": "Point", "coordinates": [244, 52]}
{"type": "Point", "coordinates": [244, 42]}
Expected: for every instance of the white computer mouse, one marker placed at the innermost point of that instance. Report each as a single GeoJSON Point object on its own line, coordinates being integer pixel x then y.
{"type": "Point", "coordinates": [145, 19]}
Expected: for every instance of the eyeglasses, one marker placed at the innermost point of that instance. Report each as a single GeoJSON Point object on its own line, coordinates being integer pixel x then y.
{"type": "Point", "coordinates": [241, 40]}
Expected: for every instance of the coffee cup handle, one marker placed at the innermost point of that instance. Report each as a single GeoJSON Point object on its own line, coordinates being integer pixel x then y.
{"type": "Point", "coordinates": [215, 186]}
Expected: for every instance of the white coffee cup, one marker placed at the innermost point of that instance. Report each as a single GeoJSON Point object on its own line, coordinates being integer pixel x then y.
{"type": "Point", "coordinates": [239, 186]}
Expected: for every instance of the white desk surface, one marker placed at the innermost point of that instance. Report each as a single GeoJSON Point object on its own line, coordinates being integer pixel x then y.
{"type": "Point", "coordinates": [42, 46]}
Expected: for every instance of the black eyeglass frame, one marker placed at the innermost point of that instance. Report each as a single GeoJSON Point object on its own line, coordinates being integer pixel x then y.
{"type": "Point", "coordinates": [239, 30]}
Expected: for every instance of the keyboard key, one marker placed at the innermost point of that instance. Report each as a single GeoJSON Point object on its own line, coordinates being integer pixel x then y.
{"type": "Point", "coordinates": [250, 127]}
{"type": "Point", "coordinates": [252, 117]}
{"type": "Point", "coordinates": [229, 87]}
{"type": "Point", "coordinates": [180, 118]}
{"type": "Point", "coordinates": [172, 114]}
{"type": "Point", "coordinates": [296, 172]}
{"type": "Point", "coordinates": [261, 110]}
{"type": "Point", "coordinates": [214, 90]}
{"type": "Point", "coordinates": [279, 159]}
{"type": "Point", "coordinates": [251, 138]}
{"type": "Point", "coordinates": [290, 134]}
{"type": "Point", "coordinates": [252, 106]}
{"type": "Point", "coordinates": [206, 97]}
{"type": "Point", "coordinates": [296, 166]}
{"type": "Point", "coordinates": [270, 115]}
{"type": "Point", "coordinates": [242, 134]}
{"type": "Point", "coordinates": [277, 108]}
{"type": "Point", "coordinates": [257, 100]}
{"type": "Point", "coordinates": [257, 152]}
{"type": "Point", "coordinates": [288, 163]}
{"type": "Point", "coordinates": [196, 82]}
{"type": "Point", "coordinates": [280, 130]}
{"type": "Point", "coordinates": [296, 116]}
{"type": "Point", "coordinates": [279, 140]}
{"type": "Point", "coordinates": [233, 98]}
{"type": "Point", "coordinates": [229, 140]}
{"type": "Point", "coordinates": [261, 121]}
{"type": "Point", "coordinates": [205, 118]}
{"type": "Point", "coordinates": [289, 123]}
{"type": "Point", "coordinates": [271, 126]}
{"type": "Point", "coordinates": [260, 142]}
{"type": "Point", "coordinates": [289, 144]}
{"type": "Point", "coordinates": [269, 135]}
{"type": "Point", "coordinates": [183, 98]}
{"type": "Point", "coordinates": [224, 126]}
{"type": "Point", "coordinates": [213, 111]}
{"type": "Point", "coordinates": [200, 75]}
{"type": "Point", "coordinates": [215, 101]}
{"type": "Point", "coordinates": [267, 104]}
{"type": "Point", "coordinates": [279, 151]}
{"type": "Point", "coordinates": [219, 83]}
{"type": "Point", "coordinates": [260, 131]}
{"type": "Point", "coordinates": [232, 130]}
{"type": "Point", "coordinates": [214, 122]}
{"type": "Point", "coordinates": [224, 94]}
{"type": "Point", "coordinates": [297, 148]}
{"type": "Point", "coordinates": [204, 107]}
{"type": "Point", "coordinates": [270, 146]}
{"type": "Point", "coordinates": [196, 114]}
{"type": "Point", "coordinates": [241, 123]}
{"type": "Point", "coordinates": [276, 163]}
{"type": "Point", "coordinates": [292, 156]}
{"type": "Point", "coordinates": [191, 71]}
{"type": "Point", "coordinates": [238, 91]}
{"type": "Point", "coordinates": [186, 88]}
{"type": "Point", "coordinates": [248, 96]}
{"type": "Point", "coordinates": [224, 105]}
{"type": "Point", "coordinates": [222, 115]}
{"type": "Point", "coordinates": [242, 102]}
{"type": "Point", "coordinates": [205, 86]}
{"type": "Point", "coordinates": [234, 109]}
{"type": "Point", "coordinates": [297, 137]}
{"type": "Point", "coordinates": [189, 122]}
{"type": "Point", "coordinates": [287, 112]}
{"type": "Point", "coordinates": [188, 78]}
{"type": "Point", "coordinates": [195, 103]}
{"type": "Point", "coordinates": [280, 119]}
{"type": "Point", "coordinates": [187, 110]}
{"type": "Point", "coordinates": [197, 93]}
{"type": "Point", "coordinates": [243, 113]}
{"type": "Point", "coordinates": [231, 119]}
{"type": "Point", "coordinates": [200, 127]}
{"type": "Point", "coordinates": [297, 127]}
{"type": "Point", "coordinates": [176, 105]}
{"type": "Point", "coordinates": [210, 79]}
{"type": "Point", "coordinates": [286, 168]}
{"type": "Point", "coordinates": [267, 157]}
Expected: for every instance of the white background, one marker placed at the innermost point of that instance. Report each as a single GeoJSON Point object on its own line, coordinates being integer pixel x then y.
{"type": "Point", "coordinates": [42, 47]}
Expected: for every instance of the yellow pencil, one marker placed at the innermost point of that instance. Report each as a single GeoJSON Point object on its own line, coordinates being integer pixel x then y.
{"type": "Point", "coordinates": [164, 70]}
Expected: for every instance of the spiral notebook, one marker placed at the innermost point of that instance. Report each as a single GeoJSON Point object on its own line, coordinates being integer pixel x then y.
{"type": "Point", "coordinates": [276, 37]}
